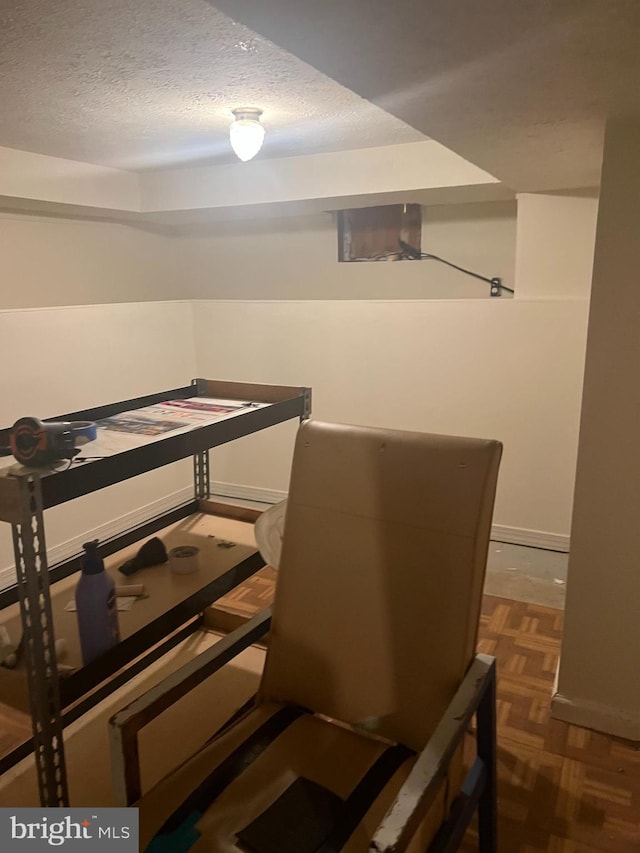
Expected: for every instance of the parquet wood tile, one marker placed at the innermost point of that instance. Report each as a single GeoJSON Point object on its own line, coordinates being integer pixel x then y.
{"type": "Point", "coordinates": [254, 594]}
{"type": "Point", "coordinates": [562, 789]}
{"type": "Point", "coordinates": [15, 727]}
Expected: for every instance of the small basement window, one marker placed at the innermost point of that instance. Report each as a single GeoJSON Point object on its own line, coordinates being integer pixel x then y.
{"type": "Point", "coordinates": [376, 233]}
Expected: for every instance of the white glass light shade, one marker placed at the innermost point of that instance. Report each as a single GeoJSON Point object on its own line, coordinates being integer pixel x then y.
{"type": "Point", "coordinates": [246, 133]}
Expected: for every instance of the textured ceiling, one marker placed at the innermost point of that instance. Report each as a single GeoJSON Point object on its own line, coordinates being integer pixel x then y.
{"type": "Point", "coordinates": [521, 88]}
{"type": "Point", "coordinates": [149, 83]}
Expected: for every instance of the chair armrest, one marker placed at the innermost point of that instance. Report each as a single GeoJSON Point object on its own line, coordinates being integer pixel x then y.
{"type": "Point", "coordinates": [126, 723]}
{"type": "Point", "coordinates": [421, 786]}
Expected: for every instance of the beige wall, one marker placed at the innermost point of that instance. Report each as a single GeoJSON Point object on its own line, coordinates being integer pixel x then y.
{"type": "Point", "coordinates": [353, 174]}
{"type": "Point", "coordinates": [50, 261]}
{"type": "Point", "coordinates": [505, 369]}
{"type": "Point", "coordinates": [45, 180]}
{"type": "Point", "coordinates": [399, 344]}
{"type": "Point", "coordinates": [56, 360]}
{"type": "Point", "coordinates": [55, 261]}
{"type": "Point", "coordinates": [599, 677]}
{"type": "Point", "coordinates": [556, 236]}
{"type": "Point", "coordinates": [394, 343]}
{"type": "Point", "coordinates": [296, 258]}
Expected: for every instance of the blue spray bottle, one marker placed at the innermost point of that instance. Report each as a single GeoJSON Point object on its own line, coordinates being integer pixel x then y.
{"type": "Point", "coordinates": [96, 606]}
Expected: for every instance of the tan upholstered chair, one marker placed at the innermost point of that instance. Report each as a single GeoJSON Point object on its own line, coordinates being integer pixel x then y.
{"type": "Point", "coordinates": [371, 678]}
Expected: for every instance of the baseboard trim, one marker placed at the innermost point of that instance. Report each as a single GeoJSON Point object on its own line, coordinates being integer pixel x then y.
{"type": "Point", "coordinates": [68, 549]}
{"type": "Point", "coordinates": [247, 493]}
{"type": "Point", "coordinates": [530, 538]}
{"type": "Point", "coordinates": [235, 491]}
{"type": "Point", "coordinates": [7, 576]}
{"type": "Point", "coordinates": [499, 532]}
{"type": "Point", "coordinates": [601, 718]}
{"type": "Point", "coordinates": [65, 550]}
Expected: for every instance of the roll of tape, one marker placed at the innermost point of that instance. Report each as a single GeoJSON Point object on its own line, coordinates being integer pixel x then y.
{"type": "Point", "coordinates": [184, 559]}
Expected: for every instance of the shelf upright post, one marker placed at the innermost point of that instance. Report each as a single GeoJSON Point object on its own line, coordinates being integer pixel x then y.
{"type": "Point", "coordinates": [38, 643]}
{"type": "Point", "coordinates": [306, 397]}
{"type": "Point", "coordinates": [201, 485]}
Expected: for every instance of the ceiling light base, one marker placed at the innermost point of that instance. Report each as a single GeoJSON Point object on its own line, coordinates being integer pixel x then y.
{"type": "Point", "coordinates": [246, 133]}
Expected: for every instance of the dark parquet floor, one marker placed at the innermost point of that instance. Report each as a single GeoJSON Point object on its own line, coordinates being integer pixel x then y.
{"type": "Point", "coordinates": [562, 789]}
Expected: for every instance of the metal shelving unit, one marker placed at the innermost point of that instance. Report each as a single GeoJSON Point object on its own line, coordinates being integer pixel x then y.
{"type": "Point", "coordinates": [25, 495]}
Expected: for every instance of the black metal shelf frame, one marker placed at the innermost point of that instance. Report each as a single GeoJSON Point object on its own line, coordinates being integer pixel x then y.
{"type": "Point", "coordinates": [27, 495]}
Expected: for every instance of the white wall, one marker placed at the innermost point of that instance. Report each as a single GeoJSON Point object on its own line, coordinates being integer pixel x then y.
{"type": "Point", "coordinates": [57, 359]}
{"type": "Point", "coordinates": [480, 237]}
{"type": "Point", "coordinates": [408, 167]}
{"type": "Point", "coordinates": [49, 261]}
{"type": "Point", "coordinates": [385, 343]}
{"type": "Point", "coordinates": [598, 680]}
{"type": "Point", "coordinates": [399, 344]}
{"type": "Point", "coordinates": [296, 258]}
{"type": "Point", "coordinates": [505, 369]}
{"type": "Point", "coordinates": [25, 175]}
{"type": "Point", "coordinates": [556, 237]}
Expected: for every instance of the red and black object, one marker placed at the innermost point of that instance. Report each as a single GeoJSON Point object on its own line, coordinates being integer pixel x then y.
{"type": "Point", "coordinates": [35, 443]}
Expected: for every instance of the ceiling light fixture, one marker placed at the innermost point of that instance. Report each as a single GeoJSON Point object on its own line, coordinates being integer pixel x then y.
{"type": "Point", "coordinates": [246, 133]}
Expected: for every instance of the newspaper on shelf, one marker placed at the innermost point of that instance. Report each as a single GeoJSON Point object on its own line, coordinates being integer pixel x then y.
{"type": "Point", "coordinates": [128, 430]}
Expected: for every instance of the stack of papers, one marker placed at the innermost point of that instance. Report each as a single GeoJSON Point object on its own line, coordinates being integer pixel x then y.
{"type": "Point", "coordinates": [138, 427]}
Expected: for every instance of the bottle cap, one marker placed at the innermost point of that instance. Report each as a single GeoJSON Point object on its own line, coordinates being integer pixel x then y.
{"type": "Point", "coordinates": [92, 563]}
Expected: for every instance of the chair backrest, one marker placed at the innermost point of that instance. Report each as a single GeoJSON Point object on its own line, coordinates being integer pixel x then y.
{"type": "Point", "coordinates": [380, 583]}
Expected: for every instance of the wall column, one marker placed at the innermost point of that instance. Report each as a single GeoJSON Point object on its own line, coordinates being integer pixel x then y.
{"type": "Point", "coordinates": [599, 676]}
{"type": "Point", "coordinates": [554, 245]}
